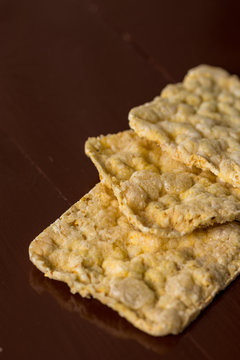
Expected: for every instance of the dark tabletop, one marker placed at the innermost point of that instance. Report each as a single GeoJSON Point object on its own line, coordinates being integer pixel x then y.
{"type": "Point", "coordinates": [70, 69]}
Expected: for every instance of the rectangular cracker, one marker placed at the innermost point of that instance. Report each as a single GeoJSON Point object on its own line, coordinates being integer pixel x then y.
{"type": "Point", "coordinates": [157, 194]}
{"type": "Point", "coordinates": [98, 314]}
{"type": "Point", "coordinates": [197, 121]}
{"type": "Point", "coordinates": [158, 284]}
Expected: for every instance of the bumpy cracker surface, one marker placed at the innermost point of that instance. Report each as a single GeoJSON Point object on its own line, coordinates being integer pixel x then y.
{"type": "Point", "coordinates": [159, 285]}
{"type": "Point", "coordinates": [197, 121]}
{"type": "Point", "coordinates": [158, 194]}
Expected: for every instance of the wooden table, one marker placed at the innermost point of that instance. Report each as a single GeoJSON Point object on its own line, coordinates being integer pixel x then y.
{"type": "Point", "coordinates": [68, 70]}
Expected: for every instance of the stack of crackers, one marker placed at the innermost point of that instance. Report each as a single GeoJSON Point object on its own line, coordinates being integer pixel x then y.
{"type": "Point", "coordinates": [157, 238]}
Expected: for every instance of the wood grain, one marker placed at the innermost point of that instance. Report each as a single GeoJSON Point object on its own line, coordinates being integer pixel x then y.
{"type": "Point", "coordinates": [68, 70]}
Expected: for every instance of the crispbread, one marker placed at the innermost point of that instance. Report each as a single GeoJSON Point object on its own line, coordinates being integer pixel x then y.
{"type": "Point", "coordinates": [197, 121]}
{"type": "Point", "coordinates": [99, 314]}
{"type": "Point", "coordinates": [157, 194]}
{"type": "Point", "coordinates": [158, 284]}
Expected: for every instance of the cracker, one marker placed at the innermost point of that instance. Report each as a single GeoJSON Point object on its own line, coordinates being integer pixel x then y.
{"type": "Point", "coordinates": [157, 194]}
{"type": "Point", "coordinates": [197, 121]}
{"type": "Point", "coordinates": [98, 314]}
{"type": "Point", "coordinates": [158, 284]}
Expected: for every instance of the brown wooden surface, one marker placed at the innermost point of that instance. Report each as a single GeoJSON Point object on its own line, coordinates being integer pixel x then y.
{"type": "Point", "coordinates": [68, 70]}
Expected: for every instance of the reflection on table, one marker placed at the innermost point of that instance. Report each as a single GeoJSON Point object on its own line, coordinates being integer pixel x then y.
{"type": "Point", "coordinates": [98, 314]}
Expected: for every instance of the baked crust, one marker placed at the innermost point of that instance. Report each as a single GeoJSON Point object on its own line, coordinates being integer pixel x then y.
{"type": "Point", "coordinates": [197, 121]}
{"type": "Point", "coordinates": [158, 194]}
{"type": "Point", "coordinates": [158, 284]}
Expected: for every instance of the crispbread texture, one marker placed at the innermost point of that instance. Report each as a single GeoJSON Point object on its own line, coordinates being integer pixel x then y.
{"type": "Point", "coordinates": [197, 121]}
{"type": "Point", "coordinates": [157, 194]}
{"type": "Point", "coordinates": [98, 314]}
{"type": "Point", "coordinates": [158, 284]}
